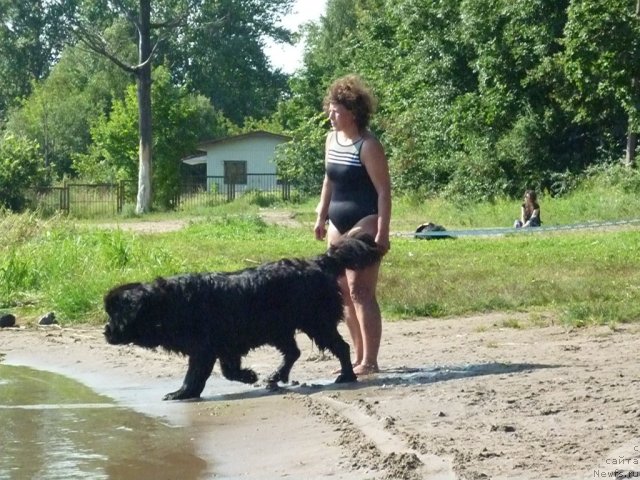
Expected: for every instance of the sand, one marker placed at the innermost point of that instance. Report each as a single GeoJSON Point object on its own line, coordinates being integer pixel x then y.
{"type": "Point", "coordinates": [464, 398]}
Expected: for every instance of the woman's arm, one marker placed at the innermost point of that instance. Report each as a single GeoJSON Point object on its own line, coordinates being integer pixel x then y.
{"type": "Point", "coordinates": [374, 159]}
{"type": "Point", "coordinates": [322, 210]}
{"type": "Point", "coordinates": [534, 214]}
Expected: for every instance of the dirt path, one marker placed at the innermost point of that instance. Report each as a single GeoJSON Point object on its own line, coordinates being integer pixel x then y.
{"type": "Point", "coordinates": [459, 398]}
{"type": "Point", "coordinates": [276, 217]}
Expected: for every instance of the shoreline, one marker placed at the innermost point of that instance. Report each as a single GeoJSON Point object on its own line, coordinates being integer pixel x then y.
{"type": "Point", "coordinates": [455, 398]}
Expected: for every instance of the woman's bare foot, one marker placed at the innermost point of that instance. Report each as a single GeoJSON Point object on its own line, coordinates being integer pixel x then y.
{"type": "Point", "coordinates": [365, 369]}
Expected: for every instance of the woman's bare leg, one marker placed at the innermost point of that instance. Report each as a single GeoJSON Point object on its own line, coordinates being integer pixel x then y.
{"type": "Point", "coordinates": [362, 312]}
{"type": "Point", "coordinates": [362, 287]}
{"type": "Point", "coordinates": [351, 319]}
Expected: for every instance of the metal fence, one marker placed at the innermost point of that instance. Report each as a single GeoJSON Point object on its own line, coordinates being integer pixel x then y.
{"type": "Point", "coordinates": [82, 199]}
{"type": "Point", "coordinates": [213, 190]}
{"type": "Point", "coordinates": [85, 200]}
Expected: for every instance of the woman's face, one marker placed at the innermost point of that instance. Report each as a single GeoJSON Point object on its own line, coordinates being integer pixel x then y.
{"type": "Point", "coordinates": [340, 117]}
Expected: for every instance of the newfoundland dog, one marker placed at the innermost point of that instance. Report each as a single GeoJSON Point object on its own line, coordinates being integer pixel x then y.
{"type": "Point", "coordinates": [222, 316]}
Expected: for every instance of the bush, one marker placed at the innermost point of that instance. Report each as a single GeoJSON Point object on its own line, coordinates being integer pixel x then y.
{"type": "Point", "coordinates": [20, 168]}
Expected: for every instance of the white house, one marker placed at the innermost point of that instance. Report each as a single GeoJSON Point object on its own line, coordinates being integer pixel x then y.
{"type": "Point", "coordinates": [244, 161]}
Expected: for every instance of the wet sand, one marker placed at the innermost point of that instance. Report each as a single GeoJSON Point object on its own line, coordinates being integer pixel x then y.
{"type": "Point", "coordinates": [459, 398]}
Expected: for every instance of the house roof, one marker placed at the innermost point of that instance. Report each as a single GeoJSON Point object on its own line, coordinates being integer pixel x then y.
{"type": "Point", "coordinates": [196, 158]}
{"type": "Point", "coordinates": [242, 136]}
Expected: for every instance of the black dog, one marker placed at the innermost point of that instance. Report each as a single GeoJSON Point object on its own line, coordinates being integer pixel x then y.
{"type": "Point", "coordinates": [210, 316]}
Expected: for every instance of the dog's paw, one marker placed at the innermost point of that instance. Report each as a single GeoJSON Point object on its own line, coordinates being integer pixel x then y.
{"type": "Point", "coordinates": [278, 376]}
{"type": "Point", "coordinates": [180, 395]}
{"type": "Point", "coordinates": [346, 378]}
{"type": "Point", "coordinates": [273, 386]}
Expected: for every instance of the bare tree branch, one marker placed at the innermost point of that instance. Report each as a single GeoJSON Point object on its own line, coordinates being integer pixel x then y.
{"type": "Point", "coordinates": [140, 66]}
{"type": "Point", "coordinates": [98, 44]}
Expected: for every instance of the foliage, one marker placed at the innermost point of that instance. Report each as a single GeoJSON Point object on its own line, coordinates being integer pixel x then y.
{"type": "Point", "coordinates": [20, 167]}
{"type": "Point", "coordinates": [219, 53]}
{"type": "Point", "coordinates": [480, 98]}
{"type": "Point", "coordinates": [602, 47]}
{"type": "Point", "coordinates": [302, 159]}
{"type": "Point", "coordinates": [62, 108]}
{"type": "Point", "coordinates": [133, 36]}
{"type": "Point", "coordinates": [32, 35]}
{"type": "Point", "coordinates": [180, 119]}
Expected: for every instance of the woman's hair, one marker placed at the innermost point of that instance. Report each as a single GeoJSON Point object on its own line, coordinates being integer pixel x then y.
{"type": "Point", "coordinates": [532, 196]}
{"type": "Point", "coordinates": [353, 93]}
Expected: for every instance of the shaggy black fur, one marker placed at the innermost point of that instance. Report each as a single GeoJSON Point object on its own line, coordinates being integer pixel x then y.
{"type": "Point", "coordinates": [210, 316]}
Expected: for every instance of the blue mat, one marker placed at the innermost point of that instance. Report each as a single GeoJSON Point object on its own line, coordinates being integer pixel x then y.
{"type": "Point", "coordinates": [498, 231]}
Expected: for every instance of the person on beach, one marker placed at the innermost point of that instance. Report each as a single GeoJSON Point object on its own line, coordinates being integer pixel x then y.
{"type": "Point", "coordinates": [356, 196]}
{"type": "Point", "coordinates": [529, 211]}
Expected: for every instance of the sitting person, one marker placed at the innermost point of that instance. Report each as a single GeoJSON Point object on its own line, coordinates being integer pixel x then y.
{"type": "Point", "coordinates": [530, 211]}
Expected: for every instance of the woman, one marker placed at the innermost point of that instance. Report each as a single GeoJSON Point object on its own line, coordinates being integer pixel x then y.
{"type": "Point", "coordinates": [529, 211]}
{"type": "Point", "coordinates": [356, 196]}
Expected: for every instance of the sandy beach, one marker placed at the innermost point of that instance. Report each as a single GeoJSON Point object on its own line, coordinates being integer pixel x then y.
{"type": "Point", "coordinates": [464, 398]}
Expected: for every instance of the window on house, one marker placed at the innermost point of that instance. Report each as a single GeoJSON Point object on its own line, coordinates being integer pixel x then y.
{"type": "Point", "coordinates": [235, 172]}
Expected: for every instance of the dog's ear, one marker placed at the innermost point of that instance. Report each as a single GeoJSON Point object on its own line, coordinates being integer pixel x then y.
{"type": "Point", "coordinates": [124, 298]}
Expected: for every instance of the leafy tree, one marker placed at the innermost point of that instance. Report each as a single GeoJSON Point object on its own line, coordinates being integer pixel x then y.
{"type": "Point", "coordinates": [301, 114]}
{"type": "Point", "coordinates": [20, 167]}
{"type": "Point", "coordinates": [60, 110]}
{"type": "Point", "coordinates": [180, 120]}
{"type": "Point", "coordinates": [88, 23]}
{"type": "Point", "coordinates": [32, 35]}
{"type": "Point", "coordinates": [478, 98]}
{"type": "Point", "coordinates": [181, 24]}
{"type": "Point", "coordinates": [219, 52]}
{"type": "Point", "coordinates": [602, 62]}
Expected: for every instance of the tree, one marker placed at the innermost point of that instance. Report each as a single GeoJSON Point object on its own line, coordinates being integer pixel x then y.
{"type": "Point", "coordinates": [61, 109]}
{"type": "Point", "coordinates": [326, 56]}
{"type": "Point", "coordinates": [32, 35]}
{"type": "Point", "coordinates": [20, 168]}
{"type": "Point", "coordinates": [602, 62]}
{"type": "Point", "coordinates": [180, 120]}
{"type": "Point", "coordinates": [153, 24]}
{"type": "Point", "coordinates": [169, 15]}
{"type": "Point", "coordinates": [219, 52]}
{"type": "Point", "coordinates": [632, 139]}
{"type": "Point", "coordinates": [478, 98]}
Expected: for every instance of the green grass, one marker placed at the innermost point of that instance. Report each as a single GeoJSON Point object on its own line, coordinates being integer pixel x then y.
{"type": "Point", "coordinates": [580, 277]}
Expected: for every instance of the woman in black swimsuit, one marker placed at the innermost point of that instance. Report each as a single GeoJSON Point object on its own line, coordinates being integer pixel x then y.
{"type": "Point", "coordinates": [356, 196]}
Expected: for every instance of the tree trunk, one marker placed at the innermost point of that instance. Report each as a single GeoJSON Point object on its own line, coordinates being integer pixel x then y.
{"type": "Point", "coordinates": [632, 137]}
{"type": "Point", "coordinates": [632, 143]}
{"type": "Point", "coordinates": [143, 80]}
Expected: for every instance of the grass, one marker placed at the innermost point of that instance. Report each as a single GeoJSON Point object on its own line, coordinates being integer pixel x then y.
{"type": "Point", "coordinates": [580, 277]}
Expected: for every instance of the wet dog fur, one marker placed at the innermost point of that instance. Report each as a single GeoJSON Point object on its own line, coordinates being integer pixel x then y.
{"type": "Point", "coordinates": [222, 316]}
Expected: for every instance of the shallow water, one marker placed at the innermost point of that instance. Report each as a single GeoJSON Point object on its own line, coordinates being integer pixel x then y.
{"type": "Point", "coordinates": [52, 427]}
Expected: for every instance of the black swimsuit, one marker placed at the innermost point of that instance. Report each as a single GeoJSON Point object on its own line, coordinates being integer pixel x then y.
{"type": "Point", "coordinates": [353, 195]}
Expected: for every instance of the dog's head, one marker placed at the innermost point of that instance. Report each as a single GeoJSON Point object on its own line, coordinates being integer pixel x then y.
{"type": "Point", "coordinates": [131, 316]}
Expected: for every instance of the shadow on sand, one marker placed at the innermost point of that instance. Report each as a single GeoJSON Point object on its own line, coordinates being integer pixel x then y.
{"type": "Point", "coordinates": [395, 376]}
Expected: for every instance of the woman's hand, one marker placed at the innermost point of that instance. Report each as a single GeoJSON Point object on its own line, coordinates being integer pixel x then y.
{"type": "Point", "coordinates": [320, 229]}
{"type": "Point", "coordinates": [384, 245]}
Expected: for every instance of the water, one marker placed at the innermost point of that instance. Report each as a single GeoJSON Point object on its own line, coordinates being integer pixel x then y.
{"type": "Point", "coordinates": [52, 427]}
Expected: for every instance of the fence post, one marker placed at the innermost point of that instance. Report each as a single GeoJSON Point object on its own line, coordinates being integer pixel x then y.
{"type": "Point", "coordinates": [231, 191]}
{"type": "Point", "coordinates": [66, 201]}
{"type": "Point", "coordinates": [286, 190]}
{"type": "Point", "coordinates": [119, 196]}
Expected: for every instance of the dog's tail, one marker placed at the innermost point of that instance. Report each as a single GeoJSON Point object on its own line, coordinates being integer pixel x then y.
{"type": "Point", "coordinates": [353, 252]}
